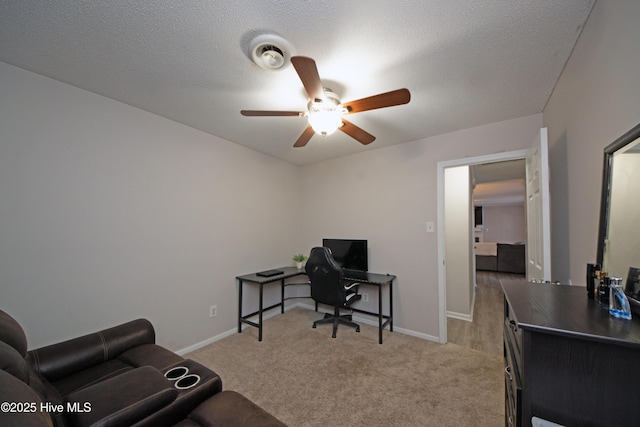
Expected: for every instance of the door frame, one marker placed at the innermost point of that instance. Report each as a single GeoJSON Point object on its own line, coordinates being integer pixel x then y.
{"type": "Point", "coordinates": [442, 280]}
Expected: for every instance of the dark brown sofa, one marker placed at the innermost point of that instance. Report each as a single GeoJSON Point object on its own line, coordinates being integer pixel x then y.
{"type": "Point", "coordinates": [510, 258]}
{"type": "Point", "coordinates": [114, 377]}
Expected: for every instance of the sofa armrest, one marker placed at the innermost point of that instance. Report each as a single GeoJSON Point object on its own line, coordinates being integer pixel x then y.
{"type": "Point", "coordinates": [64, 358]}
{"type": "Point", "coordinates": [122, 400]}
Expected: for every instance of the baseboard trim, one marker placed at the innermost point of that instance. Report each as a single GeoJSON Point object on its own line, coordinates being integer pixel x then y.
{"type": "Point", "coordinates": [273, 313]}
{"type": "Point", "coordinates": [463, 316]}
{"type": "Point", "coordinates": [459, 316]}
{"type": "Point", "coordinates": [266, 315]}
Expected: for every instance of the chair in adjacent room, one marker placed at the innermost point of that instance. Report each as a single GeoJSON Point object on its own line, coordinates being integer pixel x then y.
{"type": "Point", "coordinates": [329, 287]}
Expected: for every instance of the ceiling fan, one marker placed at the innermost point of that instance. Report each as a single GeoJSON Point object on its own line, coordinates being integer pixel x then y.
{"type": "Point", "coordinates": [325, 112]}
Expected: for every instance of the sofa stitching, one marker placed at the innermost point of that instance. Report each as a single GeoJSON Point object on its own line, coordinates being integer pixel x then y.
{"type": "Point", "coordinates": [36, 360]}
{"type": "Point", "coordinates": [104, 346]}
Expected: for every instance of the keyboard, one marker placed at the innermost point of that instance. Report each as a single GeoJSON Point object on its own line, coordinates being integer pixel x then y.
{"type": "Point", "coordinates": [269, 273]}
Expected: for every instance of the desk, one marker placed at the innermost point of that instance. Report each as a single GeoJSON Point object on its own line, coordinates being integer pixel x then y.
{"type": "Point", "coordinates": [369, 279]}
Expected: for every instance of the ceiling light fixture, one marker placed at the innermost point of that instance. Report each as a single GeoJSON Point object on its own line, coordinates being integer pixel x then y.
{"type": "Point", "coordinates": [324, 118]}
{"type": "Point", "coordinates": [325, 115]}
{"type": "Point", "coordinates": [270, 52]}
{"type": "Point", "coordinates": [272, 57]}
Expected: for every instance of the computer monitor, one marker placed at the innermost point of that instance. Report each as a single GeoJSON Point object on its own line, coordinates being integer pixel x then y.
{"type": "Point", "coordinates": [349, 253]}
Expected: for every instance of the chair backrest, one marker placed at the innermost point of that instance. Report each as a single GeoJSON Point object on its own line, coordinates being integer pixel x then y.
{"type": "Point", "coordinates": [325, 275]}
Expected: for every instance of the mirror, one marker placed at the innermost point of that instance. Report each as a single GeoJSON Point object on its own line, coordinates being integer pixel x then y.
{"type": "Point", "coordinates": [619, 233]}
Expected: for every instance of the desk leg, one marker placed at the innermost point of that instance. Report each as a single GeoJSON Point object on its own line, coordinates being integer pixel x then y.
{"type": "Point", "coordinates": [260, 315]}
{"type": "Point", "coordinates": [391, 305]}
{"type": "Point", "coordinates": [239, 306]}
{"type": "Point", "coordinates": [282, 297]}
{"type": "Point", "coordinates": [380, 314]}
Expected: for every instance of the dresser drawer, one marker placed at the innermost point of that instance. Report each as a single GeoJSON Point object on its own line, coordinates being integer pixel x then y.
{"type": "Point", "coordinates": [511, 322]}
{"type": "Point", "coordinates": [512, 381]}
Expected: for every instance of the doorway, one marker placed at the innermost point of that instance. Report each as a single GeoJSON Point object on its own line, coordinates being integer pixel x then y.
{"type": "Point", "coordinates": [498, 227]}
{"type": "Point", "coordinates": [442, 172]}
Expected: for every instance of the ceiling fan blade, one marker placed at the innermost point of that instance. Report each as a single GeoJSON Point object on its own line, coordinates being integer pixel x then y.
{"type": "Point", "coordinates": [387, 99]}
{"type": "Point", "coordinates": [362, 136]}
{"type": "Point", "coordinates": [259, 113]}
{"type": "Point", "coordinates": [305, 137]}
{"type": "Point", "coordinates": [308, 73]}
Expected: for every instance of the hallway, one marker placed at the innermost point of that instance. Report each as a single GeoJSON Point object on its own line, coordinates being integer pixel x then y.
{"type": "Point", "coordinates": [485, 332]}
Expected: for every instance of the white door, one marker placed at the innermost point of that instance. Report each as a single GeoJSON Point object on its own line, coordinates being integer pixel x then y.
{"type": "Point", "coordinates": [538, 216]}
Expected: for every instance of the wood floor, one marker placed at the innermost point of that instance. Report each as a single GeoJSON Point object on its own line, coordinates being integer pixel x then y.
{"type": "Point", "coordinates": [485, 332]}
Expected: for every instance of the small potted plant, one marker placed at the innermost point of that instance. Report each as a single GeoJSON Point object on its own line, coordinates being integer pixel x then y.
{"type": "Point", "coordinates": [299, 259]}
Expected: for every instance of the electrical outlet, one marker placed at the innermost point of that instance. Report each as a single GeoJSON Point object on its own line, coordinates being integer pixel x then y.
{"type": "Point", "coordinates": [365, 297]}
{"type": "Point", "coordinates": [213, 310]}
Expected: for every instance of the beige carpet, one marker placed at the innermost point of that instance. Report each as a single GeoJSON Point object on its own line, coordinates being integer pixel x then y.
{"type": "Point", "coordinates": [306, 378]}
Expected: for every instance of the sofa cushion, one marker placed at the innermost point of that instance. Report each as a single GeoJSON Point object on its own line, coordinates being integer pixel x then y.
{"type": "Point", "coordinates": [90, 376]}
{"type": "Point", "coordinates": [13, 362]}
{"type": "Point", "coordinates": [12, 333]}
{"type": "Point", "coordinates": [14, 390]}
{"type": "Point", "coordinates": [122, 400]}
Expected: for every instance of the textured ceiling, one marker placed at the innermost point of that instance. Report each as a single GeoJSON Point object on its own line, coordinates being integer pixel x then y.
{"type": "Point", "coordinates": [465, 62]}
{"type": "Point", "coordinates": [498, 171]}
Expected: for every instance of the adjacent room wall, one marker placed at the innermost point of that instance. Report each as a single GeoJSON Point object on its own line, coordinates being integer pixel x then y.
{"type": "Point", "coordinates": [505, 223]}
{"type": "Point", "coordinates": [109, 213]}
{"type": "Point", "coordinates": [596, 100]}
{"type": "Point", "coordinates": [387, 196]}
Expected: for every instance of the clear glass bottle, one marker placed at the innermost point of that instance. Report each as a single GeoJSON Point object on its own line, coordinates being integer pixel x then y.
{"type": "Point", "coordinates": [618, 302]}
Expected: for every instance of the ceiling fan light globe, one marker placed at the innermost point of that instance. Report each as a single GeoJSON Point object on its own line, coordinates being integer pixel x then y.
{"type": "Point", "coordinates": [325, 121]}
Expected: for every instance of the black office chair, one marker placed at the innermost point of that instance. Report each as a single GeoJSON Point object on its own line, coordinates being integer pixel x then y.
{"type": "Point", "coordinates": [329, 287]}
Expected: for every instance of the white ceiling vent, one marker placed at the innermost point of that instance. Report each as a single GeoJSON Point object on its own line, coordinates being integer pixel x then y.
{"type": "Point", "coordinates": [270, 52]}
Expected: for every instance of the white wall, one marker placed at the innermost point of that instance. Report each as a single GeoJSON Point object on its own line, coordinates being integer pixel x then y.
{"type": "Point", "coordinates": [504, 224]}
{"type": "Point", "coordinates": [459, 239]}
{"type": "Point", "coordinates": [109, 213]}
{"type": "Point", "coordinates": [387, 196]}
{"type": "Point", "coordinates": [596, 100]}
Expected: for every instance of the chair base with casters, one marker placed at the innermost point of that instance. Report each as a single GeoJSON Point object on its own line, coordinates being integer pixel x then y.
{"type": "Point", "coordinates": [336, 318]}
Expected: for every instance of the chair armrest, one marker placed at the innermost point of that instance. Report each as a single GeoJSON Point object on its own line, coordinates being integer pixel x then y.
{"type": "Point", "coordinates": [64, 358]}
{"type": "Point", "coordinates": [348, 286]}
{"type": "Point", "coordinates": [122, 400]}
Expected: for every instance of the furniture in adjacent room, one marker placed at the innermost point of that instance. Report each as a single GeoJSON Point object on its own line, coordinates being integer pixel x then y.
{"type": "Point", "coordinates": [376, 280]}
{"type": "Point", "coordinates": [328, 286]}
{"type": "Point", "coordinates": [566, 359]}
{"type": "Point", "coordinates": [501, 257]}
{"type": "Point", "coordinates": [116, 377]}
{"type": "Point", "coordinates": [261, 279]}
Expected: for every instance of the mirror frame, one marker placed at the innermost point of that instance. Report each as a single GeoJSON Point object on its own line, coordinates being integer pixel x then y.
{"type": "Point", "coordinates": [607, 169]}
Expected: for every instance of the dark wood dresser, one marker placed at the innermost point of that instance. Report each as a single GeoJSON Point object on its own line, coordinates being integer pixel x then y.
{"type": "Point", "coordinates": [567, 360]}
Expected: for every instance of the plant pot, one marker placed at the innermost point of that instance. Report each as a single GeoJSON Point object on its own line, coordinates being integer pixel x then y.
{"type": "Point", "coordinates": [299, 265]}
